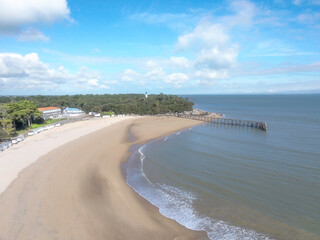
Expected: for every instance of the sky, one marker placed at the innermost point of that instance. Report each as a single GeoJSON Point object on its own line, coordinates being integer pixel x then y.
{"type": "Point", "coordinates": [55, 47]}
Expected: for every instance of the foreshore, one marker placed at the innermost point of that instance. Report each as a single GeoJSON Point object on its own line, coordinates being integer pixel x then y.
{"type": "Point", "coordinates": [77, 189]}
{"type": "Point", "coordinates": [19, 156]}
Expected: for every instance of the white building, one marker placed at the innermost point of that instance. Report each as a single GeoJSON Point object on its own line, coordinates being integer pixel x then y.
{"type": "Point", "coordinates": [73, 112]}
{"type": "Point", "coordinates": [50, 112]}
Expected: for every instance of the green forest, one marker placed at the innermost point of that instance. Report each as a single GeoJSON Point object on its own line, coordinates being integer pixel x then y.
{"type": "Point", "coordinates": [18, 112]}
{"type": "Point", "coordinates": [17, 116]}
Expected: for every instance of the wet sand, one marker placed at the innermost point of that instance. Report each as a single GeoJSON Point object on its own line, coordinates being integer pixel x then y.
{"type": "Point", "coordinates": [78, 191]}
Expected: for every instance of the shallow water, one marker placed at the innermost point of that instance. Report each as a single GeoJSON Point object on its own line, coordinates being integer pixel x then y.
{"type": "Point", "coordinates": [236, 182]}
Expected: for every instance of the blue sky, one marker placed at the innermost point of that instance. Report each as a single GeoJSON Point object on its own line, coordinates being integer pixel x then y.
{"type": "Point", "coordinates": [176, 47]}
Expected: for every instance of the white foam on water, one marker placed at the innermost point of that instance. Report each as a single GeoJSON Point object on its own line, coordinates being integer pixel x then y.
{"type": "Point", "coordinates": [142, 157]}
{"type": "Point", "coordinates": [177, 204]}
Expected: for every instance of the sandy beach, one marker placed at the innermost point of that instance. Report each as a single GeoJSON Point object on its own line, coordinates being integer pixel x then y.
{"type": "Point", "coordinates": [72, 185]}
{"type": "Point", "coordinates": [19, 156]}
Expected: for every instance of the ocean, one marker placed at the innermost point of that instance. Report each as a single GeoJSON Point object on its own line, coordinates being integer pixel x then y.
{"type": "Point", "coordinates": [236, 182]}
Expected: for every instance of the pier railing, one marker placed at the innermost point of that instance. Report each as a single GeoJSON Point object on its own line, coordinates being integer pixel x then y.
{"type": "Point", "coordinates": [262, 125]}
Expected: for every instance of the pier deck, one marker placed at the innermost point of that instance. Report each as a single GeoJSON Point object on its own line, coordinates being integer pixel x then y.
{"type": "Point", "coordinates": [262, 125]}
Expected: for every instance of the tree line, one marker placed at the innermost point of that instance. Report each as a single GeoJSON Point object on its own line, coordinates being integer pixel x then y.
{"type": "Point", "coordinates": [16, 116]}
{"type": "Point", "coordinates": [18, 112]}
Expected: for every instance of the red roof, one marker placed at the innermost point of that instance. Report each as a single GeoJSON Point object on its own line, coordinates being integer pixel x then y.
{"type": "Point", "coordinates": [47, 108]}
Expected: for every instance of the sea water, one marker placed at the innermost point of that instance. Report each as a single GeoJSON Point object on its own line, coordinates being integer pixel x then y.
{"type": "Point", "coordinates": [237, 182]}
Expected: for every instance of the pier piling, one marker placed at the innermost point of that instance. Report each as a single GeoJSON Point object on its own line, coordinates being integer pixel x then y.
{"type": "Point", "coordinates": [262, 125]}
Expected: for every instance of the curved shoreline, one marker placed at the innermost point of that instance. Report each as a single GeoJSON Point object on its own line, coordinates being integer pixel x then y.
{"type": "Point", "coordinates": [18, 157]}
{"type": "Point", "coordinates": [78, 190]}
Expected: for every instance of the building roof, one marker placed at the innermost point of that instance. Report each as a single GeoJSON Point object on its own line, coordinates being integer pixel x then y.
{"type": "Point", "coordinates": [48, 108]}
{"type": "Point", "coordinates": [73, 110]}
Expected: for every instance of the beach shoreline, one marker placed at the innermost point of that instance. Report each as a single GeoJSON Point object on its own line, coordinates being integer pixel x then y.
{"type": "Point", "coordinates": [33, 147]}
{"type": "Point", "coordinates": [78, 190]}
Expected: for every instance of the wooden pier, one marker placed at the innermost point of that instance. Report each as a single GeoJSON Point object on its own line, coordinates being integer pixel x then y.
{"type": "Point", "coordinates": [262, 125]}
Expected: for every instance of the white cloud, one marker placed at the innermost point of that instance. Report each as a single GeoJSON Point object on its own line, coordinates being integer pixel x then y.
{"type": "Point", "coordinates": [28, 72]}
{"type": "Point", "coordinates": [15, 14]}
{"type": "Point", "coordinates": [208, 45]}
{"type": "Point", "coordinates": [151, 64]}
{"type": "Point", "coordinates": [176, 79]}
{"type": "Point", "coordinates": [111, 82]}
{"type": "Point", "coordinates": [180, 62]}
{"type": "Point", "coordinates": [217, 57]}
{"type": "Point", "coordinates": [205, 34]}
{"type": "Point", "coordinates": [16, 65]}
{"type": "Point", "coordinates": [85, 74]}
{"type": "Point", "coordinates": [155, 74]}
{"type": "Point", "coordinates": [88, 79]}
{"type": "Point", "coordinates": [32, 35]}
{"type": "Point", "coordinates": [130, 75]}
{"type": "Point", "coordinates": [211, 74]}
{"type": "Point", "coordinates": [214, 51]}
{"type": "Point", "coordinates": [208, 77]}
{"type": "Point", "coordinates": [93, 82]}
{"type": "Point", "coordinates": [211, 51]}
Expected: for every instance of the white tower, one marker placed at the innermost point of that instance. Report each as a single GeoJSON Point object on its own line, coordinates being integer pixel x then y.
{"type": "Point", "coordinates": [146, 94]}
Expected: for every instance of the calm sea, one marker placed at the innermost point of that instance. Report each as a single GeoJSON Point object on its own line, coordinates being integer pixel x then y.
{"type": "Point", "coordinates": [236, 182]}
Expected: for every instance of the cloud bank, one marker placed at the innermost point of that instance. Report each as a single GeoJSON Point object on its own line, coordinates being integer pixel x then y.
{"type": "Point", "coordinates": [15, 15]}
{"type": "Point", "coordinates": [211, 55]}
{"type": "Point", "coordinates": [29, 73]}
